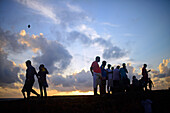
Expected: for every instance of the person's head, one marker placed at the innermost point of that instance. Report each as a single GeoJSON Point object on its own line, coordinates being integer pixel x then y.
{"type": "Point", "coordinates": [41, 66]}
{"type": "Point", "coordinates": [98, 59]}
{"type": "Point", "coordinates": [104, 63]}
{"type": "Point", "coordinates": [124, 65]}
{"type": "Point", "coordinates": [108, 66]}
{"type": "Point", "coordinates": [144, 65]}
{"type": "Point", "coordinates": [112, 68]}
{"type": "Point", "coordinates": [118, 67]}
{"type": "Point", "coordinates": [134, 77]}
{"type": "Point", "coordinates": [28, 63]}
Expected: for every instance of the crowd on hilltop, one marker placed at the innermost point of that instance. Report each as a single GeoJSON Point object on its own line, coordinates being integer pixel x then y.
{"type": "Point", "coordinates": [116, 79]}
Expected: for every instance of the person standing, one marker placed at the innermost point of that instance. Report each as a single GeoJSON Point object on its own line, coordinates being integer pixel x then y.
{"type": "Point", "coordinates": [29, 82]}
{"type": "Point", "coordinates": [42, 79]}
{"type": "Point", "coordinates": [123, 75]}
{"type": "Point", "coordinates": [145, 75]}
{"type": "Point", "coordinates": [96, 73]}
{"type": "Point", "coordinates": [116, 78]}
{"type": "Point", "coordinates": [104, 75]}
{"type": "Point", "coordinates": [110, 78]}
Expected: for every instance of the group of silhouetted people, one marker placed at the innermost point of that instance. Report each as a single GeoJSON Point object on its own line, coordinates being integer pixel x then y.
{"type": "Point", "coordinates": [29, 82]}
{"type": "Point", "coordinates": [116, 79]}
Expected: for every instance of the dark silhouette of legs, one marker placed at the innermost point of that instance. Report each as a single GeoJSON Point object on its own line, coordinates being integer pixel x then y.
{"type": "Point", "coordinates": [45, 92]}
{"type": "Point", "coordinates": [34, 92]}
{"type": "Point", "coordinates": [41, 92]}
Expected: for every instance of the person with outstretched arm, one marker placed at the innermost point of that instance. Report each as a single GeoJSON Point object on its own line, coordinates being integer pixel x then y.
{"type": "Point", "coordinates": [145, 75]}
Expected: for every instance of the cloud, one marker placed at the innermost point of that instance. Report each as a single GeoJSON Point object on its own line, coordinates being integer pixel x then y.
{"type": "Point", "coordinates": [163, 67]}
{"type": "Point", "coordinates": [8, 70]}
{"type": "Point", "coordinates": [51, 53]}
{"type": "Point", "coordinates": [162, 75]}
{"type": "Point", "coordinates": [9, 42]}
{"type": "Point", "coordinates": [74, 35]}
{"type": "Point", "coordinates": [128, 34]}
{"type": "Point", "coordinates": [111, 25]}
{"type": "Point", "coordinates": [81, 81]}
{"type": "Point", "coordinates": [74, 8]}
{"type": "Point", "coordinates": [41, 9]}
{"type": "Point", "coordinates": [113, 52]}
{"type": "Point", "coordinates": [109, 51]}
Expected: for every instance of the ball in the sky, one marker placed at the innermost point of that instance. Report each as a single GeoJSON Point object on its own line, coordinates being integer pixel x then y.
{"type": "Point", "coordinates": [29, 26]}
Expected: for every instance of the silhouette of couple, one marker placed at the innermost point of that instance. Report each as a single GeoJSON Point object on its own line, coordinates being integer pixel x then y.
{"type": "Point", "coordinates": [29, 82]}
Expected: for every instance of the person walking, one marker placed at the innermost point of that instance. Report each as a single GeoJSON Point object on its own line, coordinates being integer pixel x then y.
{"type": "Point", "coordinates": [29, 82]}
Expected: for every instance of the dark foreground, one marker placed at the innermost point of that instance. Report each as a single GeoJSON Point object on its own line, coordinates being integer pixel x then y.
{"type": "Point", "coordinates": [118, 103]}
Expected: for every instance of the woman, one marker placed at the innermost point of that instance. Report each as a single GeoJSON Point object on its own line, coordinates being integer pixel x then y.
{"type": "Point", "coordinates": [42, 79]}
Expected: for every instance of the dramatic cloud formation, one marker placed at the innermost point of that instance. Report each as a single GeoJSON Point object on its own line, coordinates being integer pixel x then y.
{"type": "Point", "coordinates": [9, 42]}
{"type": "Point", "coordinates": [51, 53]}
{"type": "Point", "coordinates": [81, 81]}
{"type": "Point", "coordinates": [162, 77]}
{"type": "Point", "coordinates": [8, 70]}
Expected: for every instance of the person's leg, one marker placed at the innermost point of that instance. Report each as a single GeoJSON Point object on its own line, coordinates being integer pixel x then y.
{"type": "Point", "coordinates": [45, 92]}
{"type": "Point", "coordinates": [34, 92]}
{"type": "Point", "coordinates": [94, 84]}
{"type": "Point", "coordinates": [28, 94]}
{"type": "Point", "coordinates": [41, 92]}
{"type": "Point", "coordinates": [23, 92]}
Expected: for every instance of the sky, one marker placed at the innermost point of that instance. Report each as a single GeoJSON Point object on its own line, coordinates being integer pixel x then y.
{"type": "Point", "coordinates": [67, 35]}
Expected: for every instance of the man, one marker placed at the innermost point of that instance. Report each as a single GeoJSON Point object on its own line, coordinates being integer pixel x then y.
{"type": "Point", "coordinates": [110, 78]}
{"type": "Point", "coordinates": [96, 73]}
{"type": "Point", "coordinates": [123, 76]}
{"type": "Point", "coordinates": [104, 75]}
{"type": "Point", "coordinates": [30, 72]}
{"type": "Point", "coordinates": [145, 75]}
{"type": "Point", "coordinates": [116, 77]}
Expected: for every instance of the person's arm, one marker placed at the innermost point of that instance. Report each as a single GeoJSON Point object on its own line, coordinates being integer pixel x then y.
{"type": "Point", "coordinates": [46, 71]}
{"type": "Point", "coordinates": [126, 71]}
{"type": "Point", "coordinates": [149, 70]}
{"type": "Point", "coordinates": [35, 72]}
{"type": "Point", "coordinates": [91, 69]}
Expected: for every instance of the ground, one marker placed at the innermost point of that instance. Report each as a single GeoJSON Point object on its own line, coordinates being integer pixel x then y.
{"type": "Point", "coordinates": [117, 103]}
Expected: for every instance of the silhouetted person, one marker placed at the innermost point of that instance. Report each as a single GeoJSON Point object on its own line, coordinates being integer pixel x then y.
{"type": "Point", "coordinates": [145, 75]}
{"type": "Point", "coordinates": [135, 83]}
{"type": "Point", "coordinates": [42, 79]}
{"type": "Point", "coordinates": [104, 74]}
{"type": "Point", "coordinates": [110, 78]}
{"type": "Point", "coordinates": [116, 78]}
{"type": "Point", "coordinates": [123, 75]}
{"type": "Point", "coordinates": [147, 104]}
{"type": "Point", "coordinates": [30, 72]}
{"type": "Point", "coordinates": [150, 84]}
{"type": "Point", "coordinates": [96, 73]}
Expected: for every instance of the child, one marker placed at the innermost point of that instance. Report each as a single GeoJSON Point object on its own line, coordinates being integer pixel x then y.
{"type": "Point", "coordinates": [150, 83]}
